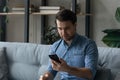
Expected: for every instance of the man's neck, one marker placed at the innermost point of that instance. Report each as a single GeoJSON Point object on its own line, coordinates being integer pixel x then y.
{"type": "Point", "coordinates": [69, 42]}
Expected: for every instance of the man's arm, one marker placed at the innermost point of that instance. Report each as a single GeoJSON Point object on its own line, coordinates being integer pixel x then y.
{"type": "Point", "coordinates": [79, 72]}
{"type": "Point", "coordinates": [46, 76]}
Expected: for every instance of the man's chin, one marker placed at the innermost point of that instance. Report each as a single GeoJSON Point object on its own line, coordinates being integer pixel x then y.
{"type": "Point", "coordinates": [67, 39]}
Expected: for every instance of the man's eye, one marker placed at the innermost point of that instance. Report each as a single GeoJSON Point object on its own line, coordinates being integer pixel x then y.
{"type": "Point", "coordinates": [59, 28]}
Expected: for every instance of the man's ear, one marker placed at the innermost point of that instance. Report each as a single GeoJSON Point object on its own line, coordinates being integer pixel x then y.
{"type": "Point", "coordinates": [75, 24]}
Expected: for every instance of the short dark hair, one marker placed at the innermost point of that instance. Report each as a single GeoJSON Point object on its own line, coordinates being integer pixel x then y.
{"type": "Point", "coordinates": [66, 15]}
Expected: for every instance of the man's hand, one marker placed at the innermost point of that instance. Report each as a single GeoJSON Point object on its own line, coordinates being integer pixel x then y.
{"type": "Point", "coordinates": [42, 78]}
{"type": "Point", "coordinates": [46, 76]}
{"type": "Point", "coordinates": [59, 66]}
{"type": "Point", "coordinates": [79, 72]}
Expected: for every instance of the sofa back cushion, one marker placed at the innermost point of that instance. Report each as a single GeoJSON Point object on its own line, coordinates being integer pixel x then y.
{"type": "Point", "coordinates": [109, 58]}
{"type": "Point", "coordinates": [26, 61]}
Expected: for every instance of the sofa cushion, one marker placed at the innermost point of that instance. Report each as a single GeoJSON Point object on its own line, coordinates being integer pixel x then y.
{"type": "Point", "coordinates": [26, 61]}
{"type": "Point", "coordinates": [103, 74]}
{"type": "Point", "coordinates": [43, 51]}
{"type": "Point", "coordinates": [22, 61]}
{"type": "Point", "coordinates": [3, 65]}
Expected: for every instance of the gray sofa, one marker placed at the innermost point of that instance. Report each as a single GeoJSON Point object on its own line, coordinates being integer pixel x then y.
{"type": "Point", "coordinates": [27, 61]}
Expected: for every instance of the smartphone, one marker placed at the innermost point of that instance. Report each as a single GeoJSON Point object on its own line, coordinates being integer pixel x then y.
{"type": "Point", "coordinates": [54, 57]}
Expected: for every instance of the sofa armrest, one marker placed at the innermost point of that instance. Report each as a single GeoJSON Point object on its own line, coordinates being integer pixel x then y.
{"type": "Point", "coordinates": [103, 74]}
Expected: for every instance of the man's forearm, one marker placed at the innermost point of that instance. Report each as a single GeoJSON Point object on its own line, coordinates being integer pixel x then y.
{"type": "Point", "coordinates": [80, 72]}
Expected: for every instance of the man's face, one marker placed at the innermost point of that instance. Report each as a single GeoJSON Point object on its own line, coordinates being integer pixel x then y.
{"type": "Point", "coordinates": [66, 29]}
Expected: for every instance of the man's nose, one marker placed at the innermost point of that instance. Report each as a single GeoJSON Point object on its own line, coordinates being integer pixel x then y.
{"type": "Point", "coordinates": [63, 32]}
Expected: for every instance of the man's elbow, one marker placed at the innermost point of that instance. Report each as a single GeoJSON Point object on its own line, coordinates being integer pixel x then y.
{"type": "Point", "coordinates": [90, 75]}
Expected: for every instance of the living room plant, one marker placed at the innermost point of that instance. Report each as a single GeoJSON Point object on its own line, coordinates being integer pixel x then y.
{"type": "Point", "coordinates": [112, 39]}
{"type": "Point", "coordinates": [5, 9]}
{"type": "Point", "coordinates": [51, 35]}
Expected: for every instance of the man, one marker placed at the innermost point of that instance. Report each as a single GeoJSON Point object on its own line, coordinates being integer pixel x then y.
{"type": "Point", "coordinates": [78, 55]}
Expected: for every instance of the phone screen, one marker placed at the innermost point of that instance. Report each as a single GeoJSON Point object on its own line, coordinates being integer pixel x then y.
{"type": "Point", "coordinates": [54, 57]}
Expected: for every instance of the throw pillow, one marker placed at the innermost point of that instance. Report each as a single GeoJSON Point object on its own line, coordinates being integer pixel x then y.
{"type": "Point", "coordinates": [3, 65]}
{"type": "Point", "coordinates": [103, 74]}
{"type": "Point", "coordinates": [117, 76]}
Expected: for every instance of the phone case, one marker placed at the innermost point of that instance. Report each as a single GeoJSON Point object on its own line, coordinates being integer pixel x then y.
{"type": "Point", "coordinates": [55, 58]}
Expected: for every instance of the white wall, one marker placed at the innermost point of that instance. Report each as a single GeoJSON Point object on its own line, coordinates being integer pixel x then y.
{"type": "Point", "coordinates": [15, 26]}
{"type": "Point", "coordinates": [103, 18]}
{"type": "Point", "coordinates": [15, 29]}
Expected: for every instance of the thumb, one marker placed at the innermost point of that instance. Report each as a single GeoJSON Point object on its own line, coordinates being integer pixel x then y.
{"type": "Point", "coordinates": [62, 60]}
